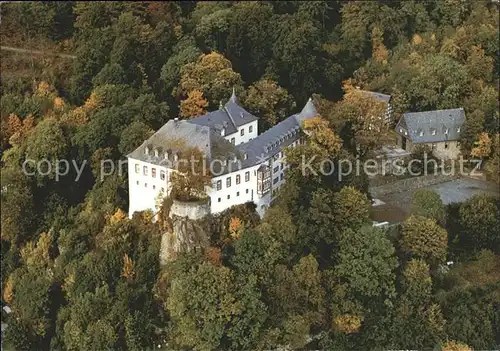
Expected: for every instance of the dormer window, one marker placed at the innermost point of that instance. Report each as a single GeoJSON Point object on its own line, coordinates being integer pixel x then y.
{"type": "Point", "coordinates": [421, 133]}
{"type": "Point", "coordinates": [156, 152]}
{"type": "Point", "coordinates": [446, 131]}
{"type": "Point", "coordinates": [223, 131]}
{"type": "Point", "coordinates": [245, 156]}
{"type": "Point", "coordinates": [406, 133]}
{"type": "Point", "coordinates": [458, 130]}
{"type": "Point", "coordinates": [433, 132]}
{"type": "Point", "coordinates": [146, 150]}
{"type": "Point", "coordinates": [401, 130]}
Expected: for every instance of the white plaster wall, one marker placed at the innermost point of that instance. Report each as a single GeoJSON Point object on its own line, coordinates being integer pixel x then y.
{"type": "Point", "coordinates": [142, 197]}
{"type": "Point", "coordinates": [233, 190]}
{"type": "Point", "coordinates": [247, 135]}
{"type": "Point", "coordinates": [441, 152]}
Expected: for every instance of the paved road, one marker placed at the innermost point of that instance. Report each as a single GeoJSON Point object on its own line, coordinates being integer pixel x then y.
{"type": "Point", "coordinates": [36, 52]}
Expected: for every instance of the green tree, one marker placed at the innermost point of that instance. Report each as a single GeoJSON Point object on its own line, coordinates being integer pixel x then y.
{"type": "Point", "coordinates": [417, 320]}
{"type": "Point", "coordinates": [424, 238]}
{"type": "Point", "coordinates": [249, 39]}
{"type": "Point", "coordinates": [184, 52]}
{"type": "Point", "coordinates": [133, 136]}
{"type": "Point", "coordinates": [209, 308]}
{"type": "Point", "coordinates": [269, 101]}
{"type": "Point", "coordinates": [213, 75]}
{"type": "Point", "coordinates": [479, 218]}
{"type": "Point", "coordinates": [366, 264]}
{"type": "Point", "coordinates": [428, 203]}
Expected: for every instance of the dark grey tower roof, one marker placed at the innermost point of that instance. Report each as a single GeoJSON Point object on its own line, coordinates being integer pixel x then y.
{"type": "Point", "coordinates": [231, 115]}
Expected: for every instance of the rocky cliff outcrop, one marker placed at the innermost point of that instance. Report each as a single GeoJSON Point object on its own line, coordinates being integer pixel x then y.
{"type": "Point", "coordinates": [186, 229]}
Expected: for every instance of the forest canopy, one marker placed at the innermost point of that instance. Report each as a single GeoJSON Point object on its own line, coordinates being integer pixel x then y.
{"type": "Point", "coordinates": [79, 274]}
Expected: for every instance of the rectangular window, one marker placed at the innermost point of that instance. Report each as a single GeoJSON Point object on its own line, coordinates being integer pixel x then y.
{"type": "Point", "coordinates": [228, 182]}
{"type": "Point", "coordinates": [250, 129]}
{"type": "Point", "coordinates": [137, 182]}
{"type": "Point", "coordinates": [275, 180]}
{"type": "Point", "coordinates": [145, 185]}
{"type": "Point", "coordinates": [246, 191]}
{"type": "Point", "coordinates": [219, 184]}
{"type": "Point", "coordinates": [242, 132]}
{"type": "Point", "coordinates": [228, 197]}
{"type": "Point", "coordinates": [282, 165]}
{"type": "Point", "coordinates": [154, 187]}
{"type": "Point", "coordinates": [238, 179]}
{"type": "Point", "coordinates": [136, 168]}
{"type": "Point", "coordinates": [153, 172]}
{"type": "Point", "coordinates": [162, 190]}
{"type": "Point", "coordinates": [145, 170]}
{"type": "Point", "coordinates": [237, 193]}
{"type": "Point", "coordinates": [247, 176]}
{"type": "Point", "coordinates": [233, 141]}
{"type": "Point", "coordinates": [282, 176]}
{"type": "Point", "coordinates": [162, 175]}
{"type": "Point", "coordinates": [445, 145]}
{"type": "Point", "coordinates": [276, 169]}
{"type": "Point", "coordinates": [218, 200]}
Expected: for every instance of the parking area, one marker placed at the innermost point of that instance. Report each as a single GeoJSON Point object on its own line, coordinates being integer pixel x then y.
{"type": "Point", "coordinates": [395, 207]}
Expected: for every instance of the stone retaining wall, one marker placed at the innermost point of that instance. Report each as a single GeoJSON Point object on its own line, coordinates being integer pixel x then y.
{"type": "Point", "coordinates": [410, 183]}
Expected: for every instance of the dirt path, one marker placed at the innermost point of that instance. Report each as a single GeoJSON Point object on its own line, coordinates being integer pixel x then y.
{"type": "Point", "coordinates": [36, 52]}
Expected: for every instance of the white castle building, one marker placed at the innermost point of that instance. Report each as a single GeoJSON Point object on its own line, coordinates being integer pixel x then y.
{"type": "Point", "coordinates": [250, 167]}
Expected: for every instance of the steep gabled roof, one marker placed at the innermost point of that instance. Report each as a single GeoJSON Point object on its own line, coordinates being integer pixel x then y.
{"type": "Point", "coordinates": [231, 116]}
{"type": "Point", "coordinates": [276, 138]}
{"type": "Point", "coordinates": [432, 126]}
{"type": "Point", "coordinates": [176, 136]}
{"type": "Point", "coordinates": [379, 96]}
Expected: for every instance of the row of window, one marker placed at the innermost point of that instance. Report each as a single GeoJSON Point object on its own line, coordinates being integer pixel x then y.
{"type": "Point", "coordinates": [146, 185]}
{"type": "Point", "coordinates": [229, 196]}
{"type": "Point", "coordinates": [153, 171]}
{"type": "Point", "coordinates": [228, 180]}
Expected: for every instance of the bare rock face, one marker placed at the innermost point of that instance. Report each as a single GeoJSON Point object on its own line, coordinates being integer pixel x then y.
{"type": "Point", "coordinates": [187, 231]}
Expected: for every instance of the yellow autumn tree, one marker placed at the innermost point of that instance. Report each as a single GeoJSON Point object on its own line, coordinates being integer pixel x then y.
{"type": "Point", "coordinates": [194, 105]}
{"type": "Point", "coordinates": [379, 51]}
{"type": "Point", "coordinates": [482, 146]}
{"type": "Point", "coordinates": [235, 227]}
{"type": "Point", "coordinates": [117, 216]}
{"type": "Point", "coordinates": [321, 135]}
{"type": "Point", "coordinates": [128, 268]}
{"type": "Point", "coordinates": [347, 323]}
{"type": "Point", "coordinates": [17, 130]}
{"type": "Point", "coordinates": [37, 255]}
{"type": "Point", "coordinates": [455, 346]}
{"type": "Point", "coordinates": [8, 290]}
